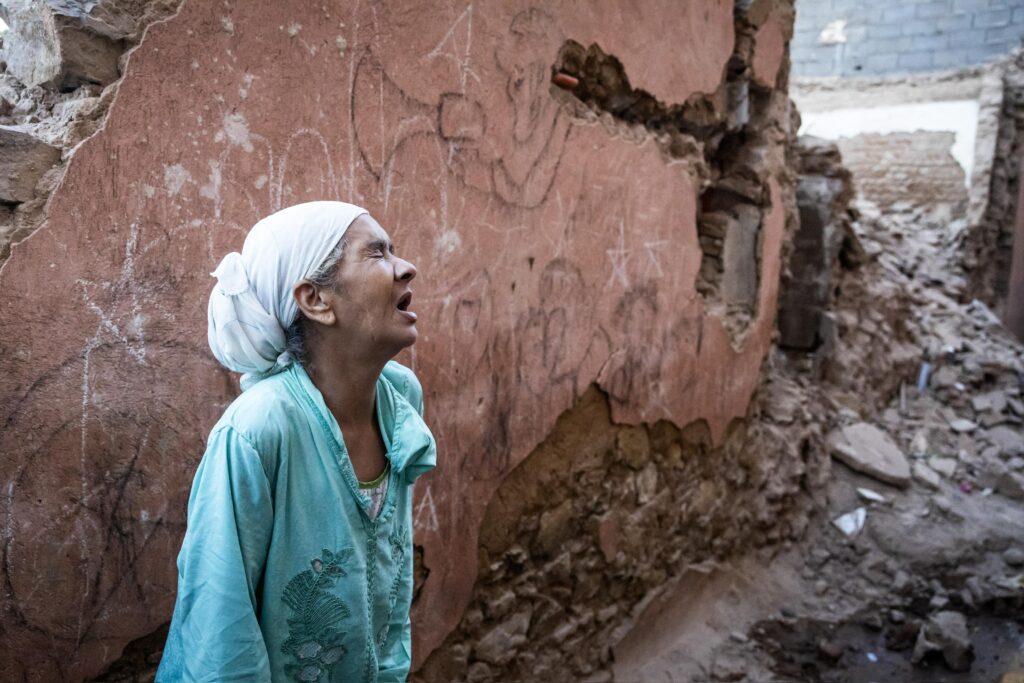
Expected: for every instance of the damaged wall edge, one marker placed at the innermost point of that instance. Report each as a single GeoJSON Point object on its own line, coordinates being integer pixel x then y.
{"type": "Point", "coordinates": [601, 519]}
{"type": "Point", "coordinates": [60, 68]}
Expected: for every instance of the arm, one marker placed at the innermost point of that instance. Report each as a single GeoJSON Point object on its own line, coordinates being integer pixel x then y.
{"type": "Point", "coordinates": [215, 635]}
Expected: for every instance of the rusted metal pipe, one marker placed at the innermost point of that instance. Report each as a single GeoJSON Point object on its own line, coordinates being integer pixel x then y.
{"type": "Point", "coordinates": [564, 80]}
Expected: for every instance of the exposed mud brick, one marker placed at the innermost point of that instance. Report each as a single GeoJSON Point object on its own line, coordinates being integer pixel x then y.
{"type": "Point", "coordinates": [769, 49]}
{"type": "Point", "coordinates": [739, 257]}
{"type": "Point", "coordinates": [23, 160]}
{"type": "Point", "coordinates": [634, 446]}
{"type": "Point", "coordinates": [447, 127]}
{"type": "Point", "coordinates": [640, 530]}
{"type": "Point", "coordinates": [916, 167]}
{"type": "Point", "coordinates": [824, 189]}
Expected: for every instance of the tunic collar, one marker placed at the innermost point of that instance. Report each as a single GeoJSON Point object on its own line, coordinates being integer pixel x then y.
{"type": "Point", "coordinates": [411, 448]}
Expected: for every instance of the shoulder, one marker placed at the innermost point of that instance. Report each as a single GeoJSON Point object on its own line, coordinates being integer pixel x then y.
{"type": "Point", "coordinates": [406, 382]}
{"type": "Point", "coordinates": [263, 415]}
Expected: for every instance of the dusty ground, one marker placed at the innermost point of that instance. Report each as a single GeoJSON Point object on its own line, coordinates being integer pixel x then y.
{"type": "Point", "coordinates": [931, 588]}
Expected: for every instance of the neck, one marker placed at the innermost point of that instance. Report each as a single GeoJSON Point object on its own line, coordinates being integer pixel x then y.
{"type": "Point", "coordinates": [348, 381]}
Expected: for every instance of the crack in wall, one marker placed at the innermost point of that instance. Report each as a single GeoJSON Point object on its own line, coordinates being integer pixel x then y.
{"type": "Point", "coordinates": [719, 135]}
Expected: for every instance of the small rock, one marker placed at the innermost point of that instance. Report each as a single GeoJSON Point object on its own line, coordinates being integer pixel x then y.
{"type": "Point", "coordinates": [738, 637]}
{"type": "Point", "coordinates": [820, 587]}
{"type": "Point", "coordinates": [500, 605]}
{"type": "Point", "coordinates": [873, 496]}
{"type": "Point", "coordinates": [944, 377]}
{"type": "Point", "coordinates": [728, 668]}
{"type": "Point", "coordinates": [945, 632]}
{"type": "Point", "coordinates": [926, 475]}
{"type": "Point", "coordinates": [1015, 463]}
{"type": "Point", "coordinates": [1014, 557]}
{"type": "Point", "coordinates": [608, 535]}
{"type": "Point", "coordinates": [944, 466]}
{"type": "Point", "coordinates": [963, 426]}
{"type": "Point", "coordinates": [993, 401]}
{"type": "Point", "coordinates": [919, 444]}
{"type": "Point", "coordinates": [974, 585]}
{"type": "Point", "coordinates": [989, 420]}
{"type": "Point", "coordinates": [564, 631]}
{"type": "Point", "coordinates": [852, 522]}
{"type": "Point", "coordinates": [1016, 406]}
{"type": "Point", "coordinates": [896, 616]}
{"type": "Point", "coordinates": [820, 556]}
{"type": "Point", "coordinates": [634, 446]}
{"type": "Point", "coordinates": [942, 503]}
{"type": "Point", "coordinates": [23, 161]}
{"type": "Point", "coordinates": [1009, 440]}
{"type": "Point", "coordinates": [498, 646]}
{"type": "Point", "coordinates": [990, 453]}
{"type": "Point", "coordinates": [867, 449]}
{"type": "Point", "coordinates": [647, 484]}
{"type": "Point", "coordinates": [555, 527]}
{"type": "Point", "coordinates": [830, 650]}
{"type": "Point", "coordinates": [478, 672]}
{"type": "Point", "coordinates": [1011, 485]}
{"type": "Point", "coordinates": [901, 581]}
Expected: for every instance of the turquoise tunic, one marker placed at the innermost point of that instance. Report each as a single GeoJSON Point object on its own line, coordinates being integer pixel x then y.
{"type": "Point", "coordinates": [282, 575]}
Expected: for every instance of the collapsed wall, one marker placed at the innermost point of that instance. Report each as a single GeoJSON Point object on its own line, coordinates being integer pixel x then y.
{"type": "Point", "coordinates": [992, 226]}
{"type": "Point", "coordinates": [606, 249]}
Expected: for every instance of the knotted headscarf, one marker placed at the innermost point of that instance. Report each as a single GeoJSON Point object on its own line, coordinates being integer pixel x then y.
{"type": "Point", "coordinates": [252, 305]}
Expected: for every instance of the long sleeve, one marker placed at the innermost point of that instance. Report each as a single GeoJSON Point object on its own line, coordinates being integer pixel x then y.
{"type": "Point", "coordinates": [215, 635]}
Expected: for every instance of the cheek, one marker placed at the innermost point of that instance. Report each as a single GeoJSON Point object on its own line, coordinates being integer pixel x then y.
{"type": "Point", "coordinates": [374, 291]}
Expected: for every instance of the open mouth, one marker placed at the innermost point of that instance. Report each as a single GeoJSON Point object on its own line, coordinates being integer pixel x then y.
{"type": "Point", "coordinates": [404, 301]}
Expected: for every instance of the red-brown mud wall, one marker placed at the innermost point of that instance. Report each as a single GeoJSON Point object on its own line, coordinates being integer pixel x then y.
{"type": "Point", "coordinates": [556, 251]}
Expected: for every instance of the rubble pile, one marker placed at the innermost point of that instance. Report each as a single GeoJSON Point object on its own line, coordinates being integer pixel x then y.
{"type": "Point", "coordinates": [914, 564]}
{"type": "Point", "coordinates": [917, 561]}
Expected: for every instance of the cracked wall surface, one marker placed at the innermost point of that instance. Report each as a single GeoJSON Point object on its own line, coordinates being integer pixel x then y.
{"type": "Point", "coordinates": [559, 246]}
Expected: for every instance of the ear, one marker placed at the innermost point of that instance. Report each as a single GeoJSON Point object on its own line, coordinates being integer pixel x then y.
{"type": "Point", "coordinates": [312, 303]}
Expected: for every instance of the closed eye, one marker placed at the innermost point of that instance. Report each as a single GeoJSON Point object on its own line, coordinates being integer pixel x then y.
{"type": "Point", "coordinates": [380, 247]}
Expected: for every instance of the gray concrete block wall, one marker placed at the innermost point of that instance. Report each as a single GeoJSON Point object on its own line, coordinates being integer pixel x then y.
{"type": "Point", "coordinates": [891, 37]}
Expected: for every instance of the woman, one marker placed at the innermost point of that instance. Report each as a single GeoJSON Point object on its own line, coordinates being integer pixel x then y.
{"type": "Point", "coordinates": [297, 560]}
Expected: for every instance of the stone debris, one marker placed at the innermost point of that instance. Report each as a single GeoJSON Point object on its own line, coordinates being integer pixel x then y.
{"type": "Point", "coordinates": [24, 159]}
{"type": "Point", "coordinates": [867, 449]}
{"type": "Point", "coordinates": [926, 475]}
{"type": "Point", "coordinates": [961, 425]}
{"type": "Point", "coordinates": [945, 632]}
{"type": "Point", "coordinates": [944, 466]}
{"type": "Point", "coordinates": [872, 496]}
{"type": "Point", "coordinates": [851, 523]}
{"type": "Point", "coordinates": [498, 645]}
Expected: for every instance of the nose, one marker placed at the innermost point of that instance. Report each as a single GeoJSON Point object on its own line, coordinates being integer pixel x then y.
{"type": "Point", "coordinates": [405, 271]}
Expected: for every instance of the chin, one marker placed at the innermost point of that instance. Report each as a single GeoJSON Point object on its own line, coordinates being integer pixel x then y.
{"type": "Point", "coordinates": [406, 339]}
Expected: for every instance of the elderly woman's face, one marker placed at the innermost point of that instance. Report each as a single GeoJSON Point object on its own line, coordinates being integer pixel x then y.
{"type": "Point", "coordinates": [373, 297]}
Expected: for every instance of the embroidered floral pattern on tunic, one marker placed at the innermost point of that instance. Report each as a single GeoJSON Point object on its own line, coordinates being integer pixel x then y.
{"type": "Point", "coordinates": [399, 541]}
{"type": "Point", "coordinates": [314, 639]}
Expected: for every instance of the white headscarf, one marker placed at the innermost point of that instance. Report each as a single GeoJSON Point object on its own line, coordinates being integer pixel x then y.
{"type": "Point", "coordinates": [252, 305]}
